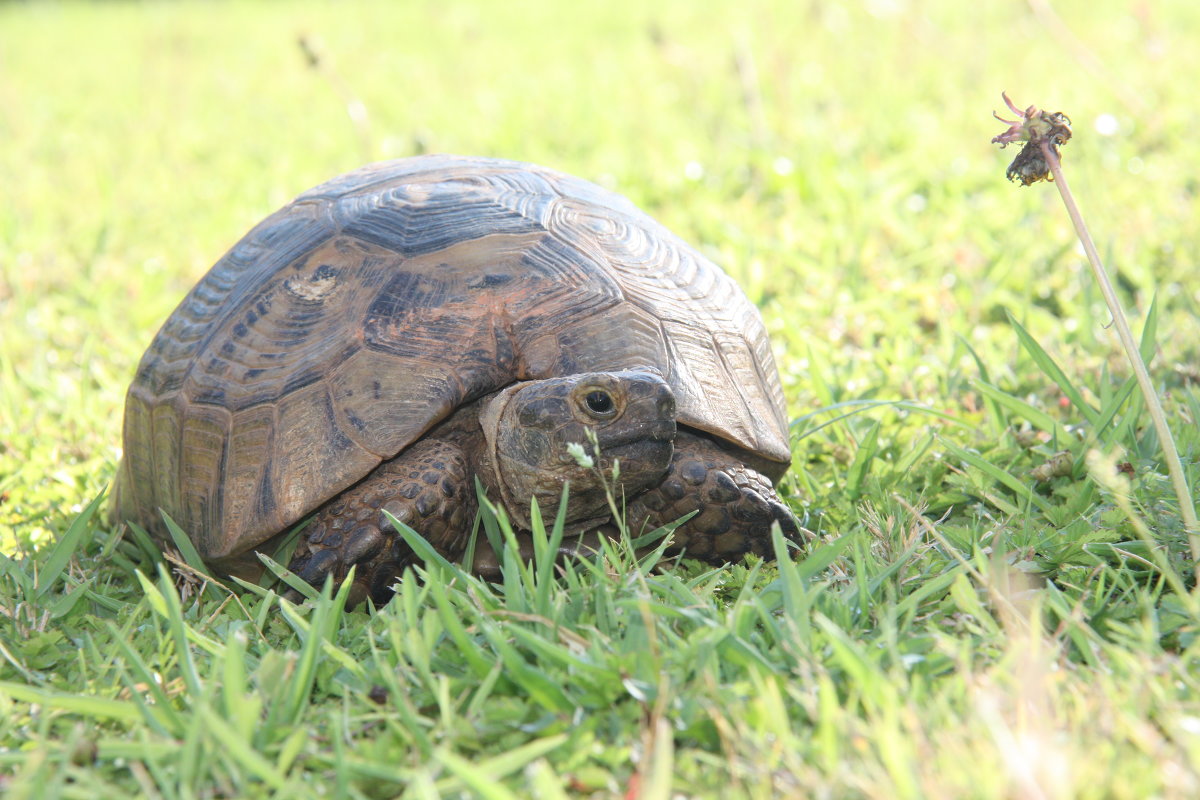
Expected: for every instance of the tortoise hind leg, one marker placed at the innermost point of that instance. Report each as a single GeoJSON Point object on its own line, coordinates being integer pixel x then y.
{"type": "Point", "coordinates": [427, 487]}
{"type": "Point", "coordinates": [735, 504]}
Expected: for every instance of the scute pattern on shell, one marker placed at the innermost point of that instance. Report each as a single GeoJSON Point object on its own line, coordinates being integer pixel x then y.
{"type": "Point", "coordinates": [345, 325]}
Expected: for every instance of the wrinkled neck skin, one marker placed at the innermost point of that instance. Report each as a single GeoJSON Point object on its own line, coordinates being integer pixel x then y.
{"type": "Point", "coordinates": [490, 414]}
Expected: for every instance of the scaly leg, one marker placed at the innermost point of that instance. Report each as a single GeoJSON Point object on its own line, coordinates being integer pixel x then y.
{"type": "Point", "coordinates": [735, 504]}
{"type": "Point", "coordinates": [428, 487]}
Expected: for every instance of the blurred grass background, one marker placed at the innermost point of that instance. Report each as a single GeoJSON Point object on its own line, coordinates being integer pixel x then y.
{"type": "Point", "coordinates": [833, 157]}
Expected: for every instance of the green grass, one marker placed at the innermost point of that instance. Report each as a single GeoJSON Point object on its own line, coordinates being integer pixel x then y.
{"type": "Point", "coordinates": [961, 628]}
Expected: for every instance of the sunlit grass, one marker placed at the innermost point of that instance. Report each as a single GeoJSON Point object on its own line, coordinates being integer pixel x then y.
{"type": "Point", "coordinates": [991, 608]}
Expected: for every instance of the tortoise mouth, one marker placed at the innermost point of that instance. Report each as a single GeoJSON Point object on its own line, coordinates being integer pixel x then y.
{"type": "Point", "coordinates": [656, 432]}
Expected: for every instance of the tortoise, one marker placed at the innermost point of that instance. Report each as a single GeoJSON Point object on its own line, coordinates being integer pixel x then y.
{"type": "Point", "coordinates": [402, 330]}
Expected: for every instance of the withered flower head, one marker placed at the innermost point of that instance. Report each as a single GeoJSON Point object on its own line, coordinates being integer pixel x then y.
{"type": "Point", "coordinates": [1035, 128]}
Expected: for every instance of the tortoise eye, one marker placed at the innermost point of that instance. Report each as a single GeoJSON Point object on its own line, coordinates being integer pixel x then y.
{"type": "Point", "coordinates": [600, 403]}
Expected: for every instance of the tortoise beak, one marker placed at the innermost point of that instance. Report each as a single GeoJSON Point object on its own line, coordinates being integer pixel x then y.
{"type": "Point", "coordinates": [658, 431]}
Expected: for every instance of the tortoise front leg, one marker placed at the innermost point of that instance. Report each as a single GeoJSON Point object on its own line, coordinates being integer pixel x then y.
{"type": "Point", "coordinates": [735, 504]}
{"type": "Point", "coordinates": [427, 487]}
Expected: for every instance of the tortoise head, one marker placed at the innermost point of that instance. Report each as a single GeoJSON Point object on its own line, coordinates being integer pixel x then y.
{"type": "Point", "coordinates": [530, 425]}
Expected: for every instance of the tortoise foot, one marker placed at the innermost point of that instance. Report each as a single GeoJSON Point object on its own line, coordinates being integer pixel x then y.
{"type": "Point", "coordinates": [735, 505]}
{"type": "Point", "coordinates": [427, 487]}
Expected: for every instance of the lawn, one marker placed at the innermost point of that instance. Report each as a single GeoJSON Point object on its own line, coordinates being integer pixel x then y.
{"type": "Point", "coordinates": [998, 601]}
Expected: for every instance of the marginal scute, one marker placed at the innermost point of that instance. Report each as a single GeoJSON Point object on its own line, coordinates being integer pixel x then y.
{"type": "Point", "coordinates": [164, 460]}
{"type": "Point", "coordinates": [249, 492]}
{"type": "Point", "coordinates": [135, 481]}
{"type": "Point", "coordinates": [314, 458]}
{"type": "Point", "coordinates": [201, 470]}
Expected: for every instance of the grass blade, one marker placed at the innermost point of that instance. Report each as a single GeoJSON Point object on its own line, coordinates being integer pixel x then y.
{"type": "Point", "coordinates": [239, 750]}
{"type": "Point", "coordinates": [66, 546]}
{"type": "Point", "coordinates": [866, 451]}
{"type": "Point", "coordinates": [183, 543]}
{"type": "Point", "coordinates": [289, 578]}
{"type": "Point", "coordinates": [191, 555]}
{"type": "Point", "coordinates": [1020, 488]}
{"type": "Point", "coordinates": [1039, 419]}
{"type": "Point", "coordinates": [94, 707]}
{"type": "Point", "coordinates": [1051, 369]}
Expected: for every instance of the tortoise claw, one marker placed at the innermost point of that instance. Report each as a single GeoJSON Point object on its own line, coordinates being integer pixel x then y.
{"type": "Point", "coordinates": [319, 564]}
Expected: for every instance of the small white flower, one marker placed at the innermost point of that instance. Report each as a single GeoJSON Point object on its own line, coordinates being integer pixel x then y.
{"type": "Point", "coordinates": [575, 449]}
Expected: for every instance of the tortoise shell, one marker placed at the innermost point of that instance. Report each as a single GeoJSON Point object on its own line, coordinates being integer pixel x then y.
{"type": "Point", "coordinates": [350, 322]}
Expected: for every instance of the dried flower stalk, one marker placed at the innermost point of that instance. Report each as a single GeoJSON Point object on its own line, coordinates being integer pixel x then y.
{"type": "Point", "coordinates": [1044, 133]}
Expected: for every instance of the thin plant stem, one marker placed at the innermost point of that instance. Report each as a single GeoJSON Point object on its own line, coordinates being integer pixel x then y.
{"type": "Point", "coordinates": [1187, 507]}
